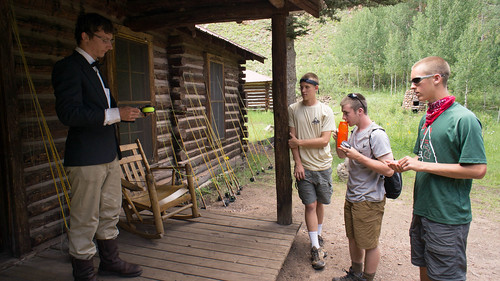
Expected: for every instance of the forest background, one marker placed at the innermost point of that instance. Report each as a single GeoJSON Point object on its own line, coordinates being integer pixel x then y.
{"type": "Point", "coordinates": [371, 50]}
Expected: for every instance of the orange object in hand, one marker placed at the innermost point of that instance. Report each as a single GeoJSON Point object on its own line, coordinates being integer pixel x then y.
{"type": "Point", "coordinates": [342, 133]}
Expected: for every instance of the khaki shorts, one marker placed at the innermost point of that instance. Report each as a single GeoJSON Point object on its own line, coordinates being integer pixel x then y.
{"type": "Point", "coordinates": [363, 222]}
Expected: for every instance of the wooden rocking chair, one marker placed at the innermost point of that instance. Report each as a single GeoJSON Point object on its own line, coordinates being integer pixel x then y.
{"type": "Point", "coordinates": [145, 201]}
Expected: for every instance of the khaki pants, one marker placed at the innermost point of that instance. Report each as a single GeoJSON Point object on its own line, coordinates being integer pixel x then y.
{"type": "Point", "coordinates": [96, 198]}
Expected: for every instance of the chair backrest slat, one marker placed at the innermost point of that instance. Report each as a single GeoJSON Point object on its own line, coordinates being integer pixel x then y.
{"type": "Point", "coordinates": [133, 165]}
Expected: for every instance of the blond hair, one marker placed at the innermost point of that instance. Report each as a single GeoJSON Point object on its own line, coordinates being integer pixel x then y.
{"type": "Point", "coordinates": [310, 76]}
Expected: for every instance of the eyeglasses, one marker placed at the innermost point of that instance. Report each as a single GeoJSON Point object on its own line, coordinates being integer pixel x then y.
{"type": "Point", "coordinates": [417, 80]}
{"type": "Point", "coordinates": [105, 40]}
{"type": "Point", "coordinates": [355, 96]}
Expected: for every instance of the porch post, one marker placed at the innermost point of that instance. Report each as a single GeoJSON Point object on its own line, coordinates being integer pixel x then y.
{"type": "Point", "coordinates": [281, 151]}
{"type": "Point", "coordinates": [13, 214]}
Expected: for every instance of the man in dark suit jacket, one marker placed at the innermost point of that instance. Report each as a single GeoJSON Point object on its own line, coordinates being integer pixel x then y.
{"type": "Point", "coordinates": [84, 103]}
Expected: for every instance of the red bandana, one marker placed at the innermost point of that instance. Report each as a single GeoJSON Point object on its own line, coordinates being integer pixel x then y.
{"type": "Point", "coordinates": [436, 108]}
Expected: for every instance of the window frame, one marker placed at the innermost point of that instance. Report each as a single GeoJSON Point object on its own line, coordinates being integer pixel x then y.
{"type": "Point", "coordinates": [209, 58]}
{"type": "Point", "coordinates": [138, 37]}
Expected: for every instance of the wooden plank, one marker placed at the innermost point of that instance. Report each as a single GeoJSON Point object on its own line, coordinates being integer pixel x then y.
{"type": "Point", "coordinates": [49, 267]}
{"type": "Point", "coordinates": [249, 223]}
{"type": "Point", "coordinates": [223, 233]}
{"type": "Point", "coordinates": [230, 238]}
{"type": "Point", "coordinates": [234, 257]}
{"type": "Point", "coordinates": [188, 269]}
{"type": "Point", "coordinates": [222, 244]}
{"type": "Point", "coordinates": [194, 259]}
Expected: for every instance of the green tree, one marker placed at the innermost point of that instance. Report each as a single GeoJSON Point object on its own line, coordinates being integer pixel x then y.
{"type": "Point", "coordinates": [361, 41]}
{"type": "Point", "coordinates": [477, 59]}
{"type": "Point", "coordinates": [399, 19]}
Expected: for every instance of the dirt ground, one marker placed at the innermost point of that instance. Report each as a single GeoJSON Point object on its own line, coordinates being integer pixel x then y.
{"type": "Point", "coordinates": [259, 199]}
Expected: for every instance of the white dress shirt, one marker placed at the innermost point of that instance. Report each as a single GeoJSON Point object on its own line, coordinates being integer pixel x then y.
{"type": "Point", "coordinates": [111, 115]}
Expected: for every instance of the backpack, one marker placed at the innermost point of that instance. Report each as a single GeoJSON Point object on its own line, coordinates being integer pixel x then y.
{"type": "Point", "coordinates": [394, 184]}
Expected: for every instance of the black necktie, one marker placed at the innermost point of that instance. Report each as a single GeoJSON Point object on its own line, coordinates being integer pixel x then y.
{"type": "Point", "coordinates": [96, 64]}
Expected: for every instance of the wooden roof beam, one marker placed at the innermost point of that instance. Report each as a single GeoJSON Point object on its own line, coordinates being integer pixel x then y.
{"type": "Point", "coordinates": [145, 6]}
{"type": "Point", "coordinates": [278, 3]}
{"type": "Point", "coordinates": [186, 17]}
{"type": "Point", "coordinates": [310, 6]}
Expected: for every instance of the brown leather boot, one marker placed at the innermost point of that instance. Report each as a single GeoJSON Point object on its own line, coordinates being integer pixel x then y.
{"type": "Point", "coordinates": [83, 270]}
{"type": "Point", "coordinates": [111, 264]}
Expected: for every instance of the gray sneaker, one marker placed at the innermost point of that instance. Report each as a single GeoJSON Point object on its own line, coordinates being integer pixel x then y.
{"type": "Point", "coordinates": [351, 276]}
{"type": "Point", "coordinates": [321, 241]}
{"type": "Point", "coordinates": [317, 258]}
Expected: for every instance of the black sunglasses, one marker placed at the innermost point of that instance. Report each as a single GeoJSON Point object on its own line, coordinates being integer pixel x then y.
{"type": "Point", "coordinates": [417, 80]}
{"type": "Point", "coordinates": [355, 96]}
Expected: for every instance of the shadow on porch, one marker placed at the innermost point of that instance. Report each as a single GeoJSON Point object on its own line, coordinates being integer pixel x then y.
{"type": "Point", "coordinates": [215, 246]}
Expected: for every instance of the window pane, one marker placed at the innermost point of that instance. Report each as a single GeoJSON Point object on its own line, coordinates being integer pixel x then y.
{"type": "Point", "coordinates": [139, 87]}
{"type": "Point", "coordinates": [217, 99]}
{"type": "Point", "coordinates": [132, 76]}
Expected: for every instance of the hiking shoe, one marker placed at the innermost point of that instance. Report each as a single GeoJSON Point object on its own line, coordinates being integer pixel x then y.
{"type": "Point", "coordinates": [351, 276]}
{"type": "Point", "coordinates": [317, 258]}
{"type": "Point", "coordinates": [321, 241]}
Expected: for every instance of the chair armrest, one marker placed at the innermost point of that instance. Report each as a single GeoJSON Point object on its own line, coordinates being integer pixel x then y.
{"type": "Point", "coordinates": [130, 186]}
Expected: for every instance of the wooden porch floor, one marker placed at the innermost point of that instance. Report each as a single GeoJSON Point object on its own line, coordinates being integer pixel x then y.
{"type": "Point", "coordinates": [216, 246]}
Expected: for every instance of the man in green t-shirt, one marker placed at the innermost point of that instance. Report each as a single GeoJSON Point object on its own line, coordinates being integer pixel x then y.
{"type": "Point", "coordinates": [450, 153]}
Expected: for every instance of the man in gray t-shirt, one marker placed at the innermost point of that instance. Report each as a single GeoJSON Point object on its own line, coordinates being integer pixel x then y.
{"type": "Point", "coordinates": [365, 184]}
{"type": "Point", "coordinates": [367, 150]}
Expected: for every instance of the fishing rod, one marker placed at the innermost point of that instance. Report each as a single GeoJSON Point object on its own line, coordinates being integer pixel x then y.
{"type": "Point", "coordinates": [187, 155]}
{"type": "Point", "coordinates": [211, 136]}
{"type": "Point", "coordinates": [270, 167]}
{"type": "Point", "coordinates": [45, 133]}
{"type": "Point", "coordinates": [241, 144]}
{"type": "Point", "coordinates": [175, 156]}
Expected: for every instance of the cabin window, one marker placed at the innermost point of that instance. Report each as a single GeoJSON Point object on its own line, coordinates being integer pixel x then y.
{"type": "Point", "coordinates": [216, 92]}
{"type": "Point", "coordinates": [133, 72]}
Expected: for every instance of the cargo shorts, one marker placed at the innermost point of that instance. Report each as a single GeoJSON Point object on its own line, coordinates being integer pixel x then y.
{"type": "Point", "coordinates": [439, 247]}
{"type": "Point", "coordinates": [316, 186]}
{"type": "Point", "coordinates": [363, 222]}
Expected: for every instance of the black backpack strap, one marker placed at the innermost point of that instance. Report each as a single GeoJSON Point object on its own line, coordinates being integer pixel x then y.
{"type": "Point", "coordinates": [370, 138]}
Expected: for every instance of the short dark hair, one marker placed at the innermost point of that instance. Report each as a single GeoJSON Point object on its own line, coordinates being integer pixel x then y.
{"type": "Point", "coordinates": [356, 101]}
{"type": "Point", "coordinates": [91, 23]}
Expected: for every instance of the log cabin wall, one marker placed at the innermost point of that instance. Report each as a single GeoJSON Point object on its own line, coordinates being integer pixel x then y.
{"type": "Point", "coordinates": [188, 55]}
{"type": "Point", "coordinates": [46, 30]}
{"type": "Point", "coordinates": [179, 76]}
{"type": "Point", "coordinates": [259, 95]}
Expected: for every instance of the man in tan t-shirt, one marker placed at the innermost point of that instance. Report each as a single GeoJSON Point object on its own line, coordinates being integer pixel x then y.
{"type": "Point", "coordinates": [311, 124]}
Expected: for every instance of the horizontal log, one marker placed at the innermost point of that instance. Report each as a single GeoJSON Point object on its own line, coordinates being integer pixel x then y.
{"type": "Point", "coordinates": [49, 216]}
{"type": "Point", "coordinates": [165, 156]}
{"type": "Point", "coordinates": [39, 181]}
{"type": "Point", "coordinates": [192, 122]}
{"type": "Point", "coordinates": [34, 153]}
{"type": "Point", "coordinates": [42, 206]}
{"type": "Point", "coordinates": [187, 71]}
{"type": "Point", "coordinates": [176, 61]}
{"type": "Point", "coordinates": [46, 232]}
